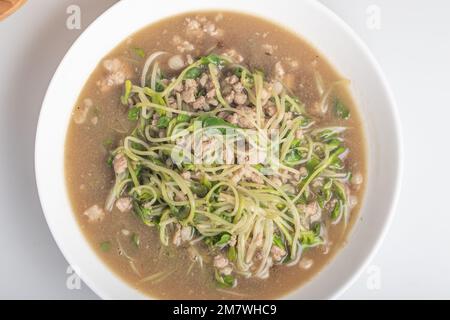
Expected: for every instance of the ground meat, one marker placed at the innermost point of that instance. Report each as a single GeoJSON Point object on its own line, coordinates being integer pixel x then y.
{"type": "Point", "coordinates": [277, 181]}
{"type": "Point", "coordinates": [190, 83]}
{"type": "Point", "coordinates": [312, 211]}
{"type": "Point", "coordinates": [120, 163]}
{"type": "Point", "coordinates": [182, 234]}
{"type": "Point", "coordinates": [176, 62]}
{"type": "Point", "coordinates": [212, 102]}
{"type": "Point", "coordinates": [94, 120]}
{"type": "Point", "coordinates": [186, 233]}
{"type": "Point", "coordinates": [357, 178]}
{"type": "Point", "coordinates": [80, 113]}
{"type": "Point", "coordinates": [227, 270]}
{"type": "Point", "coordinates": [232, 118]}
{"type": "Point", "coordinates": [155, 119]}
{"type": "Point", "coordinates": [186, 175]}
{"type": "Point", "coordinates": [94, 213]}
{"type": "Point", "coordinates": [203, 79]}
{"type": "Point", "coordinates": [240, 98]}
{"type": "Point", "coordinates": [279, 71]}
{"type": "Point", "coordinates": [265, 96]}
{"type": "Point", "coordinates": [193, 28]}
{"type": "Point", "coordinates": [238, 87]}
{"type": "Point", "coordinates": [220, 261]}
{"type": "Point", "coordinates": [231, 79]}
{"type": "Point", "coordinates": [230, 97]}
{"type": "Point", "coordinates": [200, 104]}
{"type": "Point", "coordinates": [233, 55]}
{"type": "Point", "coordinates": [303, 172]}
{"type": "Point", "coordinates": [211, 93]}
{"type": "Point", "coordinates": [176, 240]}
{"type": "Point", "coordinates": [117, 73]}
{"type": "Point", "coordinates": [179, 196]}
{"type": "Point", "coordinates": [182, 45]}
{"type": "Point", "coordinates": [202, 26]}
{"type": "Point", "coordinates": [244, 122]}
{"type": "Point", "coordinates": [269, 49]}
{"type": "Point", "coordinates": [306, 263]}
{"type": "Point", "coordinates": [270, 109]}
{"type": "Point", "coordinates": [189, 59]}
{"type": "Point", "coordinates": [277, 253]}
{"type": "Point", "coordinates": [247, 174]}
{"type": "Point", "coordinates": [124, 204]}
{"type": "Point", "coordinates": [277, 87]}
{"type": "Point", "coordinates": [188, 95]}
{"type": "Point", "coordinates": [179, 87]}
{"type": "Point", "coordinates": [352, 202]}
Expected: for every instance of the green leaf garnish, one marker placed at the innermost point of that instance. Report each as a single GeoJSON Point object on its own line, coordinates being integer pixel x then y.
{"type": "Point", "coordinates": [163, 122]}
{"type": "Point", "coordinates": [278, 242]}
{"type": "Point", "coordinates": [224, 239]}
{"type": "Point", "coordinates": [105, 246]}
{"type": "Point", "coordinates": [214, 59]}
{"type": "Point", "coordinates": [183, 118]}
{"type": "Point", "coordinates": [232, 254]}
{"type": "Point", "coordinates": [341, 110]}
{"type": "Point", "coordinates": [126, 95]}
{"type": "Point", "coordinates": [193, 73]}
{"type": "Point", "coordinates": [133, 114]}
{"type": "Point", "coordinates": [139, 52]}
{"type": "Point", "coordinates": [135, 239]}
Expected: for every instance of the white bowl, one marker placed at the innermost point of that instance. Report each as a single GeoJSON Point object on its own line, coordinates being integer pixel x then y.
{"type": "Point", "coordinates": [312, 21]}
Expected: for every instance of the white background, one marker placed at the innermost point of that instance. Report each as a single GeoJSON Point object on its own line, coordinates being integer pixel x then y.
{"type": "Point", "coordinates": [413, 48]}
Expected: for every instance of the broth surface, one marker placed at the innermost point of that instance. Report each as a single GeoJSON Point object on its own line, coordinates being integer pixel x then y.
{"type": "Point", "coordinates": [104, 122]}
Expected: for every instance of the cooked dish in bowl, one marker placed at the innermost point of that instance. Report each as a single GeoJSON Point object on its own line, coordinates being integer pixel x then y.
{"type": "Point", "coordinates": [215, 155]}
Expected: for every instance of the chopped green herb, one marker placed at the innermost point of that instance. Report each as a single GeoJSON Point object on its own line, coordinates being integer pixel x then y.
{"type": "Point", "coordinates": [163, 122]}
{"type": "Point", "coordinates": [193, 73]}
{"type": "Point", "coordinates": [334, 143]}
{"type": "Point", "coordinates": [139, 52]}
{"type": "Point", "coordinates": [231, 254]}
{"type": "Point", "coordinates": [105, 246]}
{"type": "Point", "coordinates": [188, 166]}
{"type": "Point", "coordinates": [277, 241]}
{"type": "Point", "coordinates": [341, 109]}
{"type": "Point", "coordinates": [126, 95]}
{"type": "Point", "coordinates": [180, 212]}
{"type": "Point", "coordinates": [336, 212]}
{"type": "Point", "coordinates": [340, 191]}
{"type": "Point", "coordinates": [199, 189]}
{"type": "Point", "coordinates": [209, 121]}
{"type": "Point", "coordinates": [224, 239]}
{"type": "Point", "coordinates": [316, 228]}
{"type": "Point", "coordinates": [295, 143]}
{"type": "Point", "coordinates": [293, 156]}
{"type": "Point", "coordinates": [214, 59]}
{"type": "Point", "coordinates": [108, 143]}
{"type": "Point", "coordinates": [159, 86]}
{"type": "Point", "coordinates": [135, 239]}
{"type": "Point", "coordinates": [133, 114]}
{"type": "Point", "coordinates": [309, 238]}
{"type": "Point", "coordinates": [238, 72]}
{"type": "Point", "coordinates": [312, 163]}
{"type": "Point", "coordinates": [224, 281]}
{"type": "Point", "coordinates": [183, 118]}
{"type": "Point", "coordinates": [109, 160]}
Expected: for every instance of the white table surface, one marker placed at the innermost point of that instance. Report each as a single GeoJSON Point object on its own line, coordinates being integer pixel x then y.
{"type": "Point", "coordinates": [412, 46]}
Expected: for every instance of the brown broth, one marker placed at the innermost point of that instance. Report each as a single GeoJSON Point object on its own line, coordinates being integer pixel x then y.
{"type": "Point", "coordinates": [89, 179]}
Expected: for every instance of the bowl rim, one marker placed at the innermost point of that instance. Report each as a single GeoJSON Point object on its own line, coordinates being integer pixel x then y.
{"type": "Point", "coordinates": [397, 140]}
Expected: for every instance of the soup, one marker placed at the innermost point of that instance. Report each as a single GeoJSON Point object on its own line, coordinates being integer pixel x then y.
{"type": "Point", "coordinates": [215, 155]}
